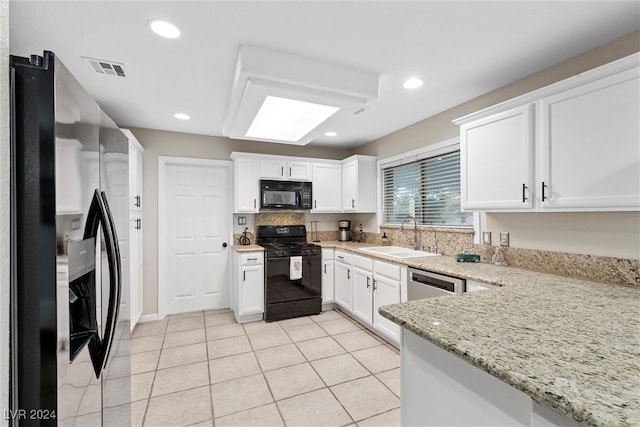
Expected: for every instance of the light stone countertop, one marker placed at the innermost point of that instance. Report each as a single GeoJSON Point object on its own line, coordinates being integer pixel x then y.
{"type": "Point", "coordinates": [247, 248]}
{"type": "Point", "coordinates": [569, 343]}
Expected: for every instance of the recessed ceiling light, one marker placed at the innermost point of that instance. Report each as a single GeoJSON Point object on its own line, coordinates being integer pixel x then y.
{"type": "Point", "coordinates": [181, 116]}
{"type": "Point", "coordinates": [287, 119]}
{"type": "Point", "coordinates": [331, 134]}
{"type": "Point", "coordinates": [164, 29]}
{"type": "Point", "coordinates": [412, 83]}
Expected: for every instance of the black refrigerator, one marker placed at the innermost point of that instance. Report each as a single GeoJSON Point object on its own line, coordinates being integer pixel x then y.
{"type": "Point", "coordinates": [70, 333]}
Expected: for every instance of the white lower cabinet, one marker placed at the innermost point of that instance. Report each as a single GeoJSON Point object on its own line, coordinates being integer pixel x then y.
{"type": "Point", "coordinates": [387, 281]}
{"type": "Point", "coordinates": [328, 286]}
{"type": "Point", "coordinates": [342, 282]}
{"type": "Point", "coordinates": [248, 286]}
{"type": "Point", "coordinates": [373, 284]}
{"type": "Point", "coordinates": [363, 288]}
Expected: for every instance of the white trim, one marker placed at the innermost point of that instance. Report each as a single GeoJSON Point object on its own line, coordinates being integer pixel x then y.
{"type": "Point", "coordinates": [163, 162]}
{"type": "Point", "coordinates": [149, 318]}
{"type": "Point", "coordinates": [132, 139]}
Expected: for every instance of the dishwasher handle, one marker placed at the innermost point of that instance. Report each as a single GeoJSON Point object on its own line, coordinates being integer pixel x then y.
{"type": "Point", "coordinates": [433, 280]}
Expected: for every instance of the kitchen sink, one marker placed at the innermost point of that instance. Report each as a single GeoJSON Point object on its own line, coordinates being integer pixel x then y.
{"type": "Point", "coordinates": [398, 252]}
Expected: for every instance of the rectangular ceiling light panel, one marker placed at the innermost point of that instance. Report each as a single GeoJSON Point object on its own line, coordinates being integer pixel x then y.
{"type": "Point", "coordinates": [283, 98]}
{"type": "Point", "coordinates": [288, 119]}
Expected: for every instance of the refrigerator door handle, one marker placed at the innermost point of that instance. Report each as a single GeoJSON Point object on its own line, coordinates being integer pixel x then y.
{"type": "Point", "coordinates": [99, 214]}
{"type": "Point", "coordinates": [114, 302]}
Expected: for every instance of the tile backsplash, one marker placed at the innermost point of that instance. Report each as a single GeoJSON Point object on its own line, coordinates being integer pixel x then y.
{"type": "Point", "coordinates": [451, 241]}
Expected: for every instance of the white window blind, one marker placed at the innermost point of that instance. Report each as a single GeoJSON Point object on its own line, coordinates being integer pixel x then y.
{"type": "Point", "coordinates": [427, 189]}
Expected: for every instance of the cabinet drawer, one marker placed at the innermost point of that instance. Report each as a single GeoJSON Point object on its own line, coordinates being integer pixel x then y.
{"type": "Point", "coordinates": [392, 271]}
{"type": "Point", "coordinates": [343, 257]}
{"type": "Point", "coordinates": [254, 258]}
{"type": "Point", "coordinates": [363, 262]}
{"type": "Point", "coordinates": [327, 254]}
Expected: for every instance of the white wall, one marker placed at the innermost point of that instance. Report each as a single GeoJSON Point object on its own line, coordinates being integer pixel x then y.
{"type": "Point", "coordinates": [4, 209]}
{"type": "Point", "coordinates": [605, 234]}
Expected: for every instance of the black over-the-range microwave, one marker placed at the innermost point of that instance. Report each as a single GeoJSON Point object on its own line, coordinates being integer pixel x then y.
{"type": "Point", "coordinates": [285, 195]}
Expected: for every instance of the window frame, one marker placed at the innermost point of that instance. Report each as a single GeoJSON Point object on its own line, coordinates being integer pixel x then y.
{"type": "Point", "coordinates": [432, 150]}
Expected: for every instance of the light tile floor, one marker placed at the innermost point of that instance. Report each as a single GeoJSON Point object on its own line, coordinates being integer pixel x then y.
{"type": "Point", "coordinates": [204, 369]}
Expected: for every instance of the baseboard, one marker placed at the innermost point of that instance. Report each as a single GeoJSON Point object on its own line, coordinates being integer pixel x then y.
{"type": "Point", "coordinates": [148, 318]}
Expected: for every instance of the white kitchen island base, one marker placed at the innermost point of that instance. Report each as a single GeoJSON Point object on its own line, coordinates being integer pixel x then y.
{"type": "Point", "coordinates": [441, 389]}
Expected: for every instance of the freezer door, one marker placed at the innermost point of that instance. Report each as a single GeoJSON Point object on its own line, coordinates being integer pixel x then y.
{"type": "Point", "coordinates": [77, 151]}
{"type": "Point", "coordinates": [114, 169]}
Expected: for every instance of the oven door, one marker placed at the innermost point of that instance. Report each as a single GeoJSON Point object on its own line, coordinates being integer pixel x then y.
{"type": "Point", "coordinates": [286, 298]}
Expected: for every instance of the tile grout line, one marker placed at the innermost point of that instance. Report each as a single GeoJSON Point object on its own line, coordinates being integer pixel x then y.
{"type": "Point", "coordinates": [324, 382]}
{"type": "Point", "coordinates": [210, 387]}
{"type": "Point", "coordinates": [148, 400]}
{"type": "Point", "coordinates": [246, 335]}
{"type": "Point", "coordinates": [264, 377]}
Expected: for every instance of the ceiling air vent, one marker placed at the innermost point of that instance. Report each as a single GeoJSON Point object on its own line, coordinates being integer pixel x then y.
{"type": "Point", "coordinates": [101, 66]}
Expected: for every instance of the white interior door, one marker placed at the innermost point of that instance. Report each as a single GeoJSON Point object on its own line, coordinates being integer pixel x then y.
{"type": "Point", "coordinates": [196, 232]}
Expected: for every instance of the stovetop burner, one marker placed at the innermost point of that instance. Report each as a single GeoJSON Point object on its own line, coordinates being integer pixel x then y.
{"type": "Point", "coordinates": [286, 241]}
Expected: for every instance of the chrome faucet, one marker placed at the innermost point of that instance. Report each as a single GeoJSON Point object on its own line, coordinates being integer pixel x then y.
{"type": "Point", "coordinates": [415, 230]}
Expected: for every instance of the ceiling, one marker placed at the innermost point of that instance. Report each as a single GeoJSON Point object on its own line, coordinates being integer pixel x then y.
{"type": "Point", "coordinates": [461, 49]}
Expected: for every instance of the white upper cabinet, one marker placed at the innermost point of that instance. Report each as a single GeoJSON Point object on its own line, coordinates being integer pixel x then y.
{"type": "Point", "coordinates": [283, 169]}
{"type": "Point", "coordinates": [570, 146]}
{"type": "Point", "coordinates": [359, 184]}
{"type": "Point", "coordinates": [590, 139]}
{"type": "Point", "coordinates": [246, 189]}
{"type": "Point", "coordinates": [327, 186]}
{"type": "Point", "coordinates": [496, 161]}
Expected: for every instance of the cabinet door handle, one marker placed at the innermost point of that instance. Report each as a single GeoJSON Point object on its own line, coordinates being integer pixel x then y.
{"type": "Point", "coordinates": [137, 202]}
{"type": "Point", "coordinates": [325, 269]}
{"type": "Point", "coordinates": [348, 274]}
{"type": "Point", "coordinates": [254, 203]}
{"type": "Point", "coordinates": [315, 204]}
{"type": "Point", "coordinates": [281, 170]}
{"type": "Point", "coordinates": [368, 284]}
{"type": "Point", "coordinates": [252, 259]}
{"type": "Point", "coordinates": [341, 257]}
{"type": "Point", "coordinates": [543, 187]}
{"type": "Point", "coordinates": [353, 203]}
{"type": "Point", "coordinates": [524, 197]}
{"type": "Point", "coordinates": [289, 171]}
{"type": "Point", "coordinates": [374, 285]}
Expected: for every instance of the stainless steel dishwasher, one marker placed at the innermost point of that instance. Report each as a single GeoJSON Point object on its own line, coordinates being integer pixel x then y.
{"type": "Point", "coordinates": [425, 284]}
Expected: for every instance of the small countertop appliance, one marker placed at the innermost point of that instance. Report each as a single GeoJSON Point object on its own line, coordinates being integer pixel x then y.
{"type": "Point", "coordinates": [344, 231]}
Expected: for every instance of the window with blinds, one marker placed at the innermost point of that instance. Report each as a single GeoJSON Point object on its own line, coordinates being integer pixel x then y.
{"type": "Point", "coordinates": [427, 189]}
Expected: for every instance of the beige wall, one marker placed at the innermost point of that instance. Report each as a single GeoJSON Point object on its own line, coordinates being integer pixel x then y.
{"type": "Point", "coordinates": [4, 209]}
{"type": "Point", "coordinates": [159, 143]}
{"type": "Point", "coordinates": [606, 234]}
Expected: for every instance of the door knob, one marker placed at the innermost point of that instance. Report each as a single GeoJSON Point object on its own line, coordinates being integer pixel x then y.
{"type": "Point", "coordinates": [224, 245]}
